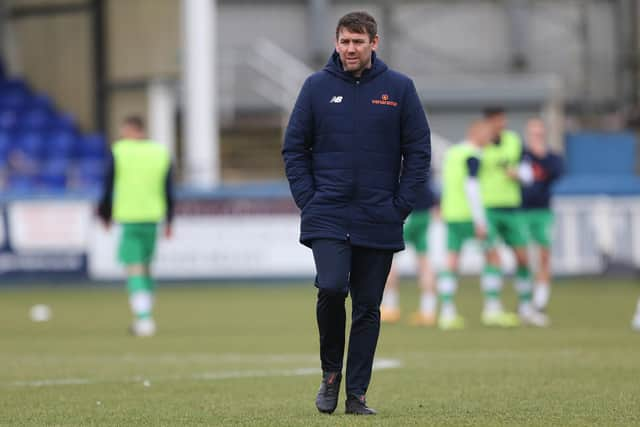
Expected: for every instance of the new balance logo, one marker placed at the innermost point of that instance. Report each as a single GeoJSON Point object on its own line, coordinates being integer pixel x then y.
{"type": "Point", "coordinates": [336, 100]}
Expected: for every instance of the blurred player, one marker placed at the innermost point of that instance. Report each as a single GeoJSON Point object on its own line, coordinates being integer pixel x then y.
{"type": "Point", "coordinates": [138, 194]}
{"type": "Point", "coordinates": [538, 218]}
{"type": "Point", "coordinates": [415, 234]}
{"type": "Point", "coordinates": [465, 217]}
{"type": "Point", "coordinates": [500, 177]}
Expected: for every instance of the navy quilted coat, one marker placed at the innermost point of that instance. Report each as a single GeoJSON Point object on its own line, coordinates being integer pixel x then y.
{"type": "Point", "coordinates": [356, 154]}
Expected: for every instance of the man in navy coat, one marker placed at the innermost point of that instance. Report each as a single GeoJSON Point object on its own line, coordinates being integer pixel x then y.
{"type": "Point", "coordinates": [356, 153]}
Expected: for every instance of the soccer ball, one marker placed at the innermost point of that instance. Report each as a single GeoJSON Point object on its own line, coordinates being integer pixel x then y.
{"type": "Point", "coordinates": [40, 313]}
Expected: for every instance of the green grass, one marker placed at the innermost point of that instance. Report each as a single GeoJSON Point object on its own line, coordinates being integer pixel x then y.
{"type": "Point", "coordinates": [221, 352]}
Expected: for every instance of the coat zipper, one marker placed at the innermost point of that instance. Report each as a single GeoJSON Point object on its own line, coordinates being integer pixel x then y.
{"type": "Point", "coordinates": [353, 151]}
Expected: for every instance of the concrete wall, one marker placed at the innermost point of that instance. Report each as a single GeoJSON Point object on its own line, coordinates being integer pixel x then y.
{"type": "Point", "coordinates": [143, 42]}
{"type": "Point", "coordinates": [143, 38]}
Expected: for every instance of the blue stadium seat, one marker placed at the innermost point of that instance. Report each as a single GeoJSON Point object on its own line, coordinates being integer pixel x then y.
{"type": "Point", "coordinates": [64, 122]}
{"type": "Point", "coordinates": [5, 148]}
{"type": "Point", "coordinates": [584, 184]}
{"type": "Point", "coordinates": [46, 141]}
{"type": "Point", "coordinates": [601, 153]}
{"type": "Point", "coordinates": [600, 163]}
{"type": "Point", "coordinates": [22, 183]}
{"type": "Point", "coordinates": [41, 101]}
{"type": "Point", "coordinates": [61, 144]}
{"type": "Point", "coordinates": [8, 118]}
{"type": "Point", "coordinates": [39, 138]}
{"type": "Point", "coordinates": [31, 144]}
{"type": "Point", "coordinates": [36, 118]}
{"type": "Point", "coordinates": [93, 146]}
{"type": "Point", "coordinates": [53, 174]}
{"type": "Point", "coordinates": [14, 84]}
{"type": "Point", "coordinates": [14, 93]}
{"type": "Point", "coordinates": [91, 173]}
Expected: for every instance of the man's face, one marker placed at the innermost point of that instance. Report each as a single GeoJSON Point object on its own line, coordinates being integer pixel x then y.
{"type": "Point", "coordinates": [480, 133]}
{"type": "Point", "coordinates": [484, 135]}
{"type": "Point", "coordinates": [355, 50]}
{"type": "Point", "coordinates": [498, 123]}
{"type": "Point", "coordinates": [536, 137]}
{"type": "Point", "coordinates": [131, 132]}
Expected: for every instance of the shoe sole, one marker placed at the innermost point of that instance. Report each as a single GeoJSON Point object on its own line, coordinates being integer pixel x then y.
{"type": "Point", "coordinates": [326, 410]}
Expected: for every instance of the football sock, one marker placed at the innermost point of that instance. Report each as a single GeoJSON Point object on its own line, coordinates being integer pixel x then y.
{"type": "Point", "coordinates": [541, 294]}
{"type": "Point", "coordinates": [140, 296]}
{"type": "Point", "coordinates": [390, 299]}
{"type": "Point", "coordinates": [524, 288]}
{"type": "Point", "coordinates": [428, 302]}
{"type": "Point", "coordinates": [149, 284]}
{"type": "Point", "coordinates": [447, 286]}
{"type": "Point", "coordinates": [491, 283]}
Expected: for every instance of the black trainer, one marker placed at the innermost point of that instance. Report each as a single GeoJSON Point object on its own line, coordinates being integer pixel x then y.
{"type": "Point", "coordinates": [357, 405]}
{"type": "Point", "coordinates": [327, 398]}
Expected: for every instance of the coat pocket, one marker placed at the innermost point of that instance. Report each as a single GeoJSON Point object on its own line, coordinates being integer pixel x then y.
{"type": "Point", "coordinates": [386, 213]}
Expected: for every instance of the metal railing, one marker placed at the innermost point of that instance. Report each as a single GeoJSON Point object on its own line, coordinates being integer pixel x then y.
{"type": "Point", "coordinates": [281, 74]}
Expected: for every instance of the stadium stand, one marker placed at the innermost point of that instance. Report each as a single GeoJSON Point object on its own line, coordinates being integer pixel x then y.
{"type": "Point", "coordinates": [600, 163]}
{"type": "Point", "coordinates": [41, 148]}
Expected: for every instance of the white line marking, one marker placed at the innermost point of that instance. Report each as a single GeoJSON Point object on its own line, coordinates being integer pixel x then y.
{"type": "Point", "coordinates": [169, 358]}
{"type": "Point", "coordinates": [52, 382]}
{"type": "Point", "coordinates": [378, 365]}
{"type": "Point", "coordinates": [256, 374]}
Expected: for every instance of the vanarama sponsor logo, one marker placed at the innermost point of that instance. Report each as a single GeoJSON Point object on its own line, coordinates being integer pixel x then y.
{"type": "Point", "coordinates": [384, 100]}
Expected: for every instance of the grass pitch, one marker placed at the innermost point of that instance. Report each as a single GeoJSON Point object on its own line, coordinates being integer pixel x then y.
{"type": "Point", "coordinates": [247, 355]}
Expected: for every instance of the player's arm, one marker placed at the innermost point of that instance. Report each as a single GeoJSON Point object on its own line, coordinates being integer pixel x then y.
{"type": "Point", "coordinates": [523, 172]}
{"type": "Point", "coordinates": [416, 152]}
{"type": "Point", "coordinates": [105, 206]}
{"type": "Point", "coordinates": [296, 150]}
{"type": "Point", "coordinates": [472, 190]}
{"type": "Point", "coordinates": [169, 200]}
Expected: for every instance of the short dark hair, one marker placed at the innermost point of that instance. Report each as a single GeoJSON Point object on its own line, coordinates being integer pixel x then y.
{"type": "Point", "coordinates": [358, 22]}
{"type": "Point", "coordinates": [492, 111]}
{"type": "Point", "coordinates": [135, 121]}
